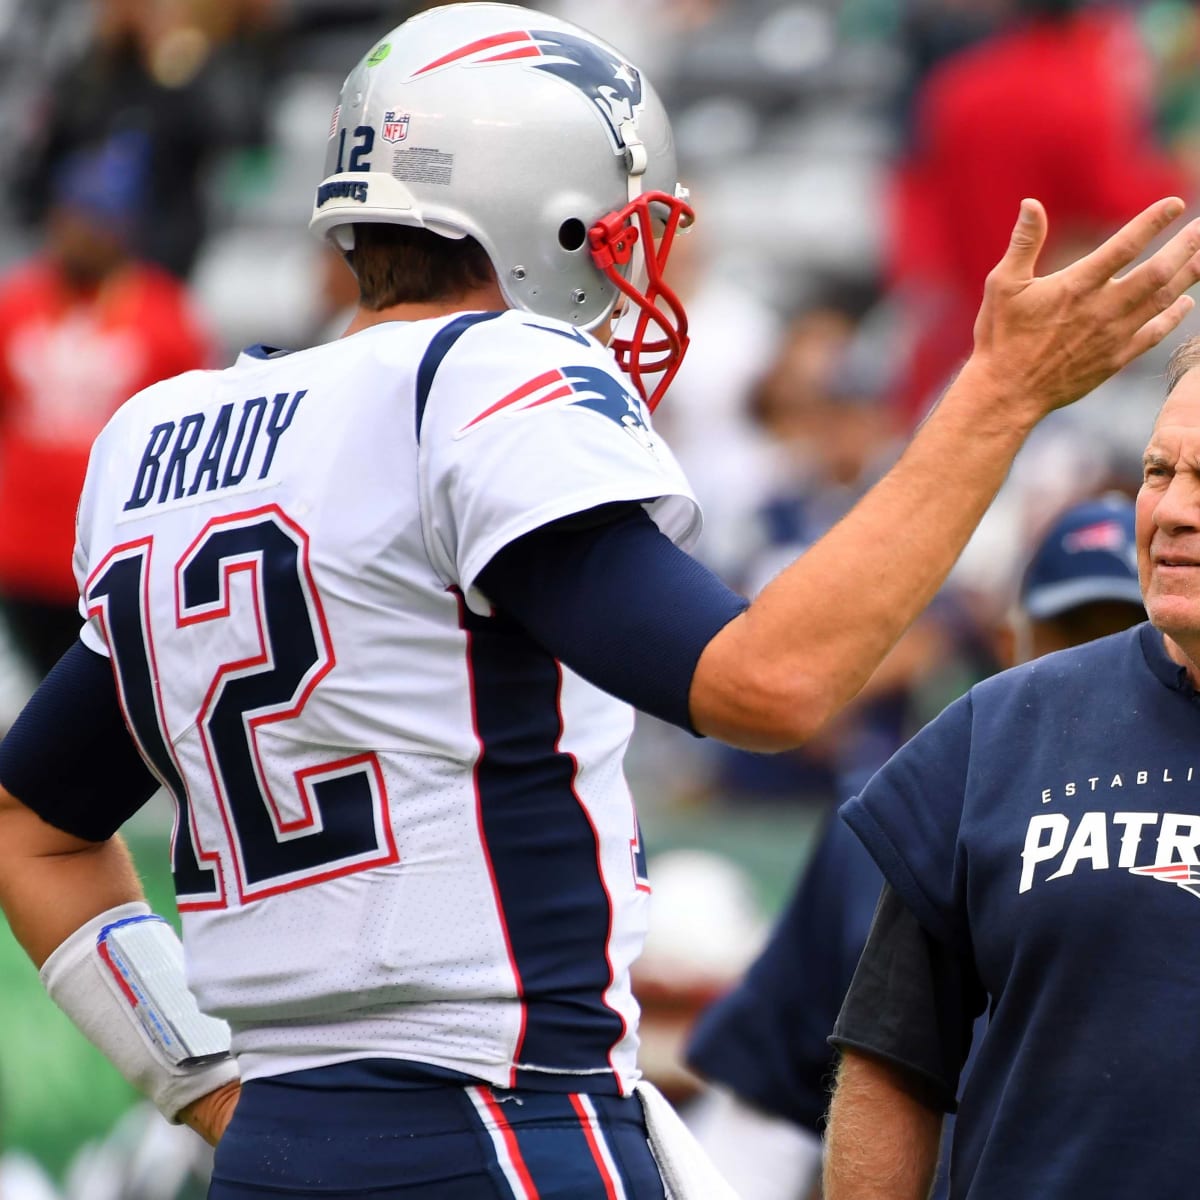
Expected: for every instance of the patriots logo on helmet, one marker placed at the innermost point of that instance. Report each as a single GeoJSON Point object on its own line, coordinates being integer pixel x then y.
{"type": "Point", "coordinates": [581, 387]}
{"type": "Point", "coordinates": [1183, 875]}
{"type": "Point", "coordinates": [611, 84]}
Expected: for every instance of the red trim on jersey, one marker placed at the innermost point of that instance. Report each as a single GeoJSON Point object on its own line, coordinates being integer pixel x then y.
{"type": "Point", "coordinates": [222, 608]}
{"type": "Point", "coordinates": [612, 975]}
{"type": "Point", "coordinates": [510, 1142]}
{"type": "Point", "coordinates": [598, 1156]}
{"type": "Point", "coordinates": [483, 844]}
{"type": "Point", "coordinates": [635, 847]}
{"type": "Point", "coordinates": [145, 547]}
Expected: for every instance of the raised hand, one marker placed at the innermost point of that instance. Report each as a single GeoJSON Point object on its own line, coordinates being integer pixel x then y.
{"type": "Point", "coordinates": [1049, 340]}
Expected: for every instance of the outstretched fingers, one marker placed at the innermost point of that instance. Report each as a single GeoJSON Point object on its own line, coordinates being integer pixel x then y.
{"type": "Point", "coordinates": [1166, 275]}
{"type": "Point", "coordinates": [1157, 328]}
{"type": "Point", "coordinates": [1095, 269]}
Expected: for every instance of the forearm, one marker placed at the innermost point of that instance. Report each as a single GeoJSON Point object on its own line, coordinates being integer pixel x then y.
{"type": "Point", "coordinates": [37, 861]}
{"type": "Point", "coordinates": [818, 631]}
{"type": "Point", "coordinates": [57, 892]}
{"type": "Point", "coordinates": [777, 673]}
{"type": "Point", "coordinates": [881, 1143]}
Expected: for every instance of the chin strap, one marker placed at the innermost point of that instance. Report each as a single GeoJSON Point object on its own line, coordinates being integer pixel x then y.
{"type": "Point", "coordinates": [636, 162]}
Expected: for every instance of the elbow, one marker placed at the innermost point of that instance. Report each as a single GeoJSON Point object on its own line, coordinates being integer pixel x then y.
{"type": "Point", "coordinates": [764, 711]}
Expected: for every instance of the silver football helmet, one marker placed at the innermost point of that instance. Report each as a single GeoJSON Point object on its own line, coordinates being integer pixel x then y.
{"type": "Point", "coordinates": [538, 140]}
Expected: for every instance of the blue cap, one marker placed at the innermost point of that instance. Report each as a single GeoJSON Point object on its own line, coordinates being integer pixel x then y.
{"type": "Point", "coordinates": [105, 182]}
{"type": "Point", "coordinates": [1088, 555]}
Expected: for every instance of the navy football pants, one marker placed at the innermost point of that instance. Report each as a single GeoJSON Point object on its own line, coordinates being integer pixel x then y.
{"type": "Point", "coordinates": [437, 1142]}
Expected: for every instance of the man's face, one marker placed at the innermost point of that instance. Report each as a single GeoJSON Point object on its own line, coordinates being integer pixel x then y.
{"type": "Point", "coordinates": [1168, 518]}
{"type": "Point", "coordinates": [86, 250]}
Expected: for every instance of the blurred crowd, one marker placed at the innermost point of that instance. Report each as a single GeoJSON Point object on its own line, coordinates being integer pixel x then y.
{"type": "Point", "coordinates": [856, 166]}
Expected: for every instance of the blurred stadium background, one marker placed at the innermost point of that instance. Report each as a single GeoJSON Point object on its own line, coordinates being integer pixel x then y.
{"type": "Point", "coordinates": [856, 166]}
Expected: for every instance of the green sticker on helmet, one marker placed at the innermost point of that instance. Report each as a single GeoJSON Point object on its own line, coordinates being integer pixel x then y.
{"type": "Point", "coordinates": [379, 54]}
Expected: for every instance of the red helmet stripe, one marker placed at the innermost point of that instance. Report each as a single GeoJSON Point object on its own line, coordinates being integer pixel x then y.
{"type": "Point", "coordinates": [487, 43]}
{"type": "Point", "coordinates": [524, 52]}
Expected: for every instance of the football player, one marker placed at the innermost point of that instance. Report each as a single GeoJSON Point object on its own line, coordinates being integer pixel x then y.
{"type": "Point", "coordinates": [377, 615]}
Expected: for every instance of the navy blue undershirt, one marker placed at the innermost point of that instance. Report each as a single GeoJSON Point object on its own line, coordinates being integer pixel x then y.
{"type": "Point", "coordinates": [69, 756]}
{"type": "Point", "coordinates": [605, 592]}
{"type": "Point", "coordinates": [617, 602]}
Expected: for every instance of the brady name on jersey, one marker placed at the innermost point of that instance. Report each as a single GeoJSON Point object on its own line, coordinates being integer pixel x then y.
{"type": "Point", "coordinates": [231, 446]}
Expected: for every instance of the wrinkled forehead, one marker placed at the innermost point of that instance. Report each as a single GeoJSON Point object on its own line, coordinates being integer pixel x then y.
{"type": "Point", "coordinates": [1180, 413]}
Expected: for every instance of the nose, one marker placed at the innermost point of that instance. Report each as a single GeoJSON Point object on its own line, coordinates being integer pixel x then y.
{"type": "Point", "coordinates": [1178, 508]}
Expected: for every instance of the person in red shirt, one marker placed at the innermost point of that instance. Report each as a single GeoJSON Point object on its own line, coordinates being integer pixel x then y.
{"type": "Point", "coordinates": [1059, 106]}
{"type": "Point", "coordinates": [83, 325]}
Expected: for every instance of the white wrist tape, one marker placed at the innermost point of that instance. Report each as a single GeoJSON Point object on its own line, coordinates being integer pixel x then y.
{"type": "Point", "coordinates": [120, 978]}
{"type": "Point", "coordinates": [687, 1171]}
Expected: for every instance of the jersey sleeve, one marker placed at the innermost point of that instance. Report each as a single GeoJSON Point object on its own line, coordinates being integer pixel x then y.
{"type": "Point", "coordinates": [913, 1002]}
{"type": "Point", "coordinates": [522, 422]}
{"type": "Point", "coordinates": [91, 633]}
{"type": "Point", "coordinates": [909, 814]}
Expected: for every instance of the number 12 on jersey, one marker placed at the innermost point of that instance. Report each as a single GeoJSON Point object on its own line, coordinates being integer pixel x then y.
{"type": "Point", "coordinates": [343, 824]}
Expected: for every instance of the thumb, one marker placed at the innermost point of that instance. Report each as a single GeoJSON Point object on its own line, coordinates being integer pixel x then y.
{"type": "Point", "coordinates": [1028, 237]}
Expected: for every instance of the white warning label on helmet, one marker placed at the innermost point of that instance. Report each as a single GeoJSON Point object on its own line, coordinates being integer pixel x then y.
{"type": "Point", "coordinates": [422, 164]}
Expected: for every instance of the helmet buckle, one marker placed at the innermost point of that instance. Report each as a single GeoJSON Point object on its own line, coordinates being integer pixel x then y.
{"type": "Point", "coordinates": [612, 240]}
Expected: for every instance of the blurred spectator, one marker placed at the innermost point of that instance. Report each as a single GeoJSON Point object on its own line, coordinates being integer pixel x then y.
{"type": "Point", "coordinates": [735, 330]}
{"type": "Point", "coordinates": [706, 927]}
{"type": "Point", "coordinates": [17, 681]}
{"type": "Point", "coordinates": [764, 1045]}
{"type": "Point", "coordinates": [153, 76]}
{"type": "Point", "coordinates": [1058, 106]}
{"type": "Point", "coordinates": [83, 325]}
{"type": "Point", "coordinates": [21, 1178]}
{"type": "Point", "coordinates": [932, 30]}
{"type": "Point", "coordinates": [143, 1158]}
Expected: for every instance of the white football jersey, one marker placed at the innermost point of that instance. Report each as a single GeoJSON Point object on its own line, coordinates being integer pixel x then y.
{"type": "Point", "coordinates": [403, 829]}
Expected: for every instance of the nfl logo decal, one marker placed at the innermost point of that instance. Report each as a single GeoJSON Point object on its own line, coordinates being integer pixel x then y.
{"type": "Point", "coordinates": [395, 126]}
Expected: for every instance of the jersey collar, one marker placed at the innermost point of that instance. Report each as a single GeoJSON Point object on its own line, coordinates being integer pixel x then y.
{"type": "Point", "coordinates": [1163, 665]}
{"type": "Point", "coordinates": [262, 351]}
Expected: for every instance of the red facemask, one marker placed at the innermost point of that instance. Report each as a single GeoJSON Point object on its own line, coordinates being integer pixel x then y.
{"type": "Point", "coordinates": [660, 337]}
